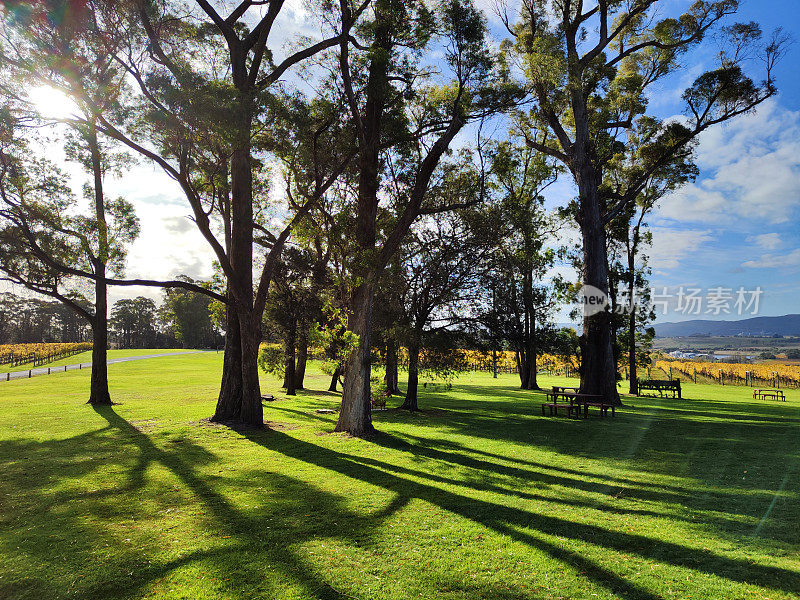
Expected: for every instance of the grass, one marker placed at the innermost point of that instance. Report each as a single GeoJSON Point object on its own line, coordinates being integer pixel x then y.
{"type": "Point", "coordinates": [86, 357]}
{"type": "Point", "coordinates": [477, 497]}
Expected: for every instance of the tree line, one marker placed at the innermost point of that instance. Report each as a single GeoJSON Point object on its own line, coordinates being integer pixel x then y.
{"type": "Point", "coordinates": [401, 161]}
{"type": "Point", "coordinates": [183, 319]}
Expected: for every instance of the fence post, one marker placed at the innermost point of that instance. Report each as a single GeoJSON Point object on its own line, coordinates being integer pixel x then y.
{"type": "Point", "coordinates": [721, 380]}
{"type": "Point", "coordinates": [29, 373]}
{"type": "Point", "coordinates": [670, 373]}
{"type": "Point", "coordinates": [694, 376]}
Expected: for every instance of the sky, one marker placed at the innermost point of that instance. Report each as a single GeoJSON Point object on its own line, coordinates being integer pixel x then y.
{"type": "Point", "coordinates": [736, 227]}
{"type": "Point", "coordinates": [731, 234]}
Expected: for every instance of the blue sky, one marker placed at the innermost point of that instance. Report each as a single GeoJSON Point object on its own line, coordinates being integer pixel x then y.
{"type": "Point", "coordinates": [736, 226]}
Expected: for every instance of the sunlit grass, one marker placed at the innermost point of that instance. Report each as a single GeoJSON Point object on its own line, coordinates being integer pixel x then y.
{"type": "Point", "coordinates": [86, 357]}
{"type": "Point", "coordinates": [477, 497]}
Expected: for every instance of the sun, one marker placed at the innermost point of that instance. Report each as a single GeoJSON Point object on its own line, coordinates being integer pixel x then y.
{"type": "Point", "coordinates": [51, 103]}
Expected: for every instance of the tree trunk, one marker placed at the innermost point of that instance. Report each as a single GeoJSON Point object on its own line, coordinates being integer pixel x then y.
{"type": "Point", "coordinates": [241, 258]}
{"type": "Point", "coordinates": [527, 367]}
{"type": "Point", "coordinates": [302, 356]}
{"type": "Point", "coordinates": [392, 379]}
{"type": "Point", "coordinates": [634, 383]}
{"type": "Point", "coordinates": [598, 375]}
{"type": "Point", "coordinates": [229, 402]}
{"type": "Point", "coordinates": [289, 371]}
{"type": "Point", "coordinates": [633, 378]}
{"type": "Point", "coordinates": [252, 413]}
{"type": "Point", "coordinates": [337, 372]}
{"type": "Point", "coordinates": [412, 388]}
{"type": "Point", "coordinates": [98, 390]}
{"type": "Point", "coordinates": [522, 368]}
{"type": "Point", "coordinates": [355, 416]}
{"type": "Point", "coordinates": [533, 384]}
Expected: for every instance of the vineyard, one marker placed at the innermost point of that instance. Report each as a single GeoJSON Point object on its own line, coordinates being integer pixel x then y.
{"type": "Point", "coordinates": [768, 374]}
{"type": "Point", "coordinates": [507, 361]}
{"type": "Point", "coordinates": [39, 354]}
{"type": "Point", "coordinates": [477, 360]}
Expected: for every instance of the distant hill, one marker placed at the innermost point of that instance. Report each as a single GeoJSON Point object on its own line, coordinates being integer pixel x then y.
{"type": "Point", "coordinates": [785, 325]}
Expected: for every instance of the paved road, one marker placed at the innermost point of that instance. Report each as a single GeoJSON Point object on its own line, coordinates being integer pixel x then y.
{"type": "Point", "coordinates": [86, 365]}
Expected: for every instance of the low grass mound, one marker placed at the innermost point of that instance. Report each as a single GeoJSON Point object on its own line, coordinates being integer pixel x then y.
{"type": "Point", "coordinates": [478, 496]}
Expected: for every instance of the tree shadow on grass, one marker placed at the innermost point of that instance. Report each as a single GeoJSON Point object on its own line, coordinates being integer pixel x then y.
{"type": "Point", "coordinates": [527, 527]}
{"type": "Point", "coordinates": [744, 467]}
{"type": "Point", "coordinates": [248, 541]}
{"type": "Point", "coordinates": [271, 535]}
{"type": "Point", "coordinates": [756, 463]}
{"type": "Point", "coordinates": [239, 544]}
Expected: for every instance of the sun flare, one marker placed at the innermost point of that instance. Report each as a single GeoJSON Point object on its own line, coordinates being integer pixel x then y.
{"type": "Point", "coordinates": [51, 103]}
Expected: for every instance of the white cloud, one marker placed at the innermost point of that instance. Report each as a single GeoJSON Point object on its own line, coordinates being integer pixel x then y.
{"type": "Point", "coordinates": [169, 243]}
{"type": "Point", "coordinates": [774, 261]}
{"type": "Point", "coordinates": [767, 241]}
{"type": "Point", "coordinates": [671, 246]}
{"type": "Point", "coordinates": [750, 169]}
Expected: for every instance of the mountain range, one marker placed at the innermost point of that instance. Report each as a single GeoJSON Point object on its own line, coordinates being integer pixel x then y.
{"type": "Point", "coordinates": [786, 325]}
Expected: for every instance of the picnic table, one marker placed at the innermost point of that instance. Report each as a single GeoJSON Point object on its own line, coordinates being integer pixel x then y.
{"type": "Point", "coordinates": [578, 403]}
{"type": "Point", "coordinates": [661, 386]}
{"type": "Point", "coordinates": [764, 393]}
{"type": "Point", "coordinates": [560, 389]}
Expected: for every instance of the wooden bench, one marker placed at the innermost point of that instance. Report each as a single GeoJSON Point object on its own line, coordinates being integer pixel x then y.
{"type": "Point", "coordinates": [661, 386]}
{"type": "Point", "coordinates": [379, 402]}
{"type": "Point", "coordinates": [764, 393]}
{"type": "Point", "coordinates": [584, 401]}
{"type": "Point", "coordinates": [554, 406]}
{"type": "Point", "coordinates": [578, 403]}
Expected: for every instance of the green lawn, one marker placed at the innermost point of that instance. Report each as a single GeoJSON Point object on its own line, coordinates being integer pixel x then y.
{"type": "Point", "coordinates": [479, 497]}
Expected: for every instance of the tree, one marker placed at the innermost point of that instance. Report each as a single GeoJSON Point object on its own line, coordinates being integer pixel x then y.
{"type": "Point", "coordinates": [627, 232]}
{"type": "Point", "coordinates": [205, 116]}
{"type": "Point", "coordinates": [516, 302]}
{"type": "Point", "coordinates": [133, 321]}
{"type": "Point", "coordinates": [187, 314]}
{"type": "Point", "coordinates": [438, 277]}
{"type": "Point", "coordinates": [47, 243]}
{"type": "Point", "coordinates": [396, 115]}
{"type": "Point", "coordinates": [589, 67]}
{"type": "Point", "coordinates": [293, 306]}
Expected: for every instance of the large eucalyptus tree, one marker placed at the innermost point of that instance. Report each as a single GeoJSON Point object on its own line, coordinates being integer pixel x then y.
{"type": "Point", "coordinates": [405, 110]}
{"type": "Point", "coordinates": [589, 67]}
